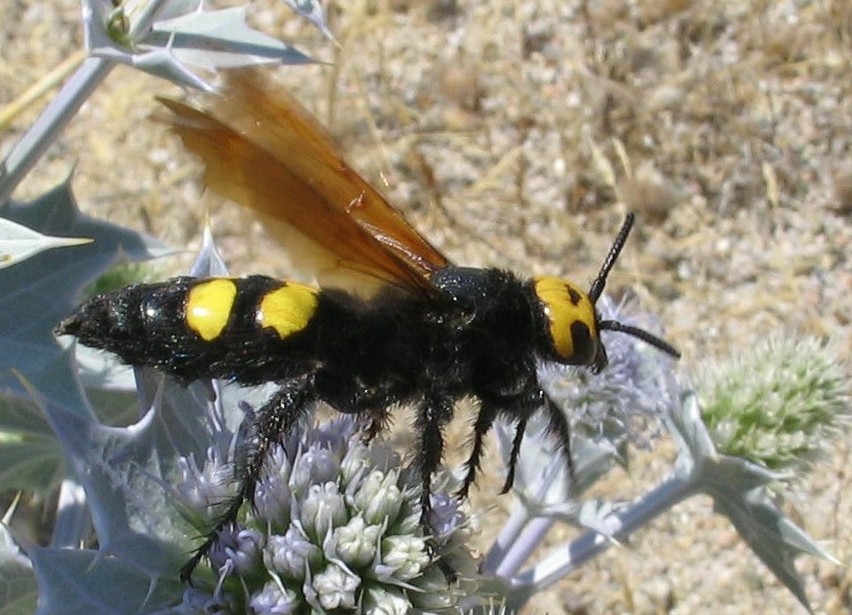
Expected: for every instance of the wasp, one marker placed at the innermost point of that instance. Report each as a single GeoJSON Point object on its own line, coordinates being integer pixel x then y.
{"type": "Point", "coordinates": [417, 331]}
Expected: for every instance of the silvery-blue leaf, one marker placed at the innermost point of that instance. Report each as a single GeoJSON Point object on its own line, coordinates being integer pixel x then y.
{"type": "Point", "coordinates": [28, 347]}
{"type": "Point", "coordinates": [221, 39]}
{"type": "Point", "coordinates": [18, 243]}
{"type": "Point", "coordinates": [208, 263]}
{"type": "Point", "coordinates": [18, 579]}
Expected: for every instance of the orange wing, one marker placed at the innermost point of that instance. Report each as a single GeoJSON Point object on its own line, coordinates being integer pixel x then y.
{"type": "Point", "coordinates": [265, 151]}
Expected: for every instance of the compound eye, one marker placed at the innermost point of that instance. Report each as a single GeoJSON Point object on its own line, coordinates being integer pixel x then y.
{"type": "Point", "coordinates": [571, 319]}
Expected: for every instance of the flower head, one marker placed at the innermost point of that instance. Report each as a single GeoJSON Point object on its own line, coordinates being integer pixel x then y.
{"type": "Point", "coordinates": [776, 405]}
{"type": "Point", "coordinates": [336, 524]}
{"type": "Point", "coordinates": [636, 385]}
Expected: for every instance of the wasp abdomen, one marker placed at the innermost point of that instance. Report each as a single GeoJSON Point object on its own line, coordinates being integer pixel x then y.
{"type": "Point", "coordinates": [236, 328]}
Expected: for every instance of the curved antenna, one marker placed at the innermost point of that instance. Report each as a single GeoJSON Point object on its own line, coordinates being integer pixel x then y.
{"type": "Point", "coordinates": [600, 282]}
{"type": "Point", "coordinates": [653, 340]}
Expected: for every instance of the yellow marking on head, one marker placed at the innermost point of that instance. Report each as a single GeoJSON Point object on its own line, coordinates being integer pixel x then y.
{"type": "Point", "coordinates": [566, 308]}
{"type": "Point", "coordinates": [208, 307]}
{"type": "Point", "coordinates": [288, 309]}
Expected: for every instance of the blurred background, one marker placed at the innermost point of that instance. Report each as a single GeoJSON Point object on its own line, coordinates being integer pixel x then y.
{"type": "Point", "coordinates": [518, 134]}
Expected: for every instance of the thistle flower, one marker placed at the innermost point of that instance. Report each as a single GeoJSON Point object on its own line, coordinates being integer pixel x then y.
{"type": "Point", "coordinates": [607, 411]}
{"type": "Point", "coordinates": [617, 402]}
{"type": "Point", "coordinates": [778, 405]}
{"type": "Point", "coordinates": [336, 526]}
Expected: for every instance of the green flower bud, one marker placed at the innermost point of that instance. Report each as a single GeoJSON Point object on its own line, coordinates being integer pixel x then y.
{"type": "Point", "coordinates": [356, 542]}
{"type": "Point", "coordinates": [778, 405]}
{"type": "Point", "coordinates": [379, 499]}
{"type": "Point", "coordinates": [290, 555]}
{"type": "Point", "coordinates": [405, 557]}
{"type": "Point", "coordinates": [336, 588]}
{"type": "Point", "coordinates": [275, 599]}
{"type": "Point", "coordinates": [385, 601]}
{"type": "Point", "coordinates": [322, 510]}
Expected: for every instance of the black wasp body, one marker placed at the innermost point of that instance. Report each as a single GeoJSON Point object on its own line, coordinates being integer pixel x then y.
{"type": "Point", "coordinates": [431, 334]}
{"type": "Point", "coordinates": [360, 354]}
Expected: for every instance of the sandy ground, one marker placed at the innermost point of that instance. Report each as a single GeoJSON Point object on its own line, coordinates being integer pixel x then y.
{"type": "Point", "coordinates": [518, 133]}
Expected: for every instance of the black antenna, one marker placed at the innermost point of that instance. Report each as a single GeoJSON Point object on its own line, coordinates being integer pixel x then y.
{"type": "Point", "coordinates": [599, 283]}
{"type": "Point", "coordinates": [653, 340]}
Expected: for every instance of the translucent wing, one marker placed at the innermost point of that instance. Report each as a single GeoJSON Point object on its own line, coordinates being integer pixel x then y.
{"type": "Point", "coordinates": [265, 151]}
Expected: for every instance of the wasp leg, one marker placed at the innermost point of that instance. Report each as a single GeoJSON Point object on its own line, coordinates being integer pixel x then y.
{"type": "Point", "coordinates": [270, 426]}
{"type": "Point", "coordinates": [432, 415]}
{"type": "Point", "coordinates": [520, 427]}
{"type": "Point", "coordinates": [484, 420]}
{"type": "Point", "coordinates": [560, 427]}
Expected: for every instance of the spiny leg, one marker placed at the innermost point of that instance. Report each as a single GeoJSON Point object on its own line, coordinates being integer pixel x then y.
{"type": "Point", "coordinates": [432, 415]}
{"type": "Point", "coordinates": [270, 426]}
{"type": "Point", "coordinates": [520, 427]}
{"type": "Point", "coordinates": [560, 427]}
{"type": "Point", "coordinates": [484, 420]}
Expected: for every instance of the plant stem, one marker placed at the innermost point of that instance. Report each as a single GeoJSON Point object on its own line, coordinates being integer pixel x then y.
{"type": "Point", "coordinates": [51, 122]}
{"type": "Point", "coordinates": [619, 525]}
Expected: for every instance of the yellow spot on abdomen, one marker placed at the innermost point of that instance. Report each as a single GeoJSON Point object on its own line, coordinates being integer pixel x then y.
{"type": "Point", "coordinates": [208, 307]}
{"type": "Point", "coordinates": [288, 309]}
{"type": "Point", "coordinates": [564, 305]}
